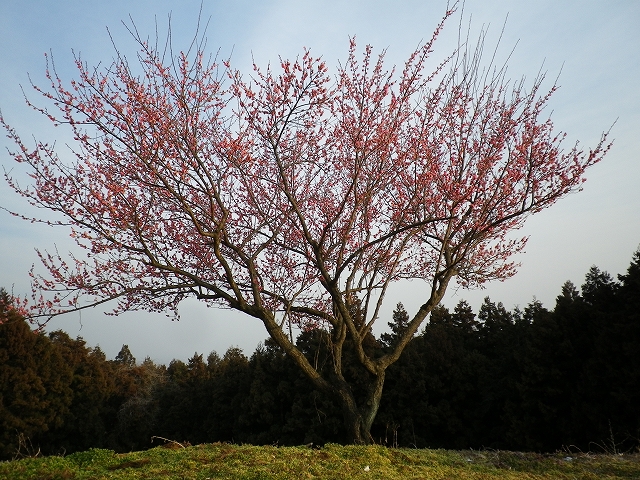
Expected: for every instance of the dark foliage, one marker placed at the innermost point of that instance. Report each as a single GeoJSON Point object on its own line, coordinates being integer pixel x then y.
{"type": "Point", "coordinates": [35, 382]}
{"type": "Point", "coordinates": [535, 379]}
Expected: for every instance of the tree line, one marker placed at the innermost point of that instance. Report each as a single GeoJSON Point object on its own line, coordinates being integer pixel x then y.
{"type": "Point", "coordinates": [531, 379]}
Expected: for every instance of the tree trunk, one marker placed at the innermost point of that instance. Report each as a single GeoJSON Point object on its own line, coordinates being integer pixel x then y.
{"type": "Point", "coordinates": [359, 419]}
{"type": "Point", "coordinates": [356, 429]}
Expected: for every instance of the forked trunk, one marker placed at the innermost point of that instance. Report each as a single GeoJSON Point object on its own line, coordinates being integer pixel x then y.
{"type": "Point", "coordinates": [359, 419]}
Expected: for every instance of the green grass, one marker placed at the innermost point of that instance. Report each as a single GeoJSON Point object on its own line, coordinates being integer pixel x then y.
{"type": "Point", "coordinates": [224, 461]}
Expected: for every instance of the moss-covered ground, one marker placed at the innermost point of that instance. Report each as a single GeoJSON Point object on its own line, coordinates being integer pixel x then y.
{"type": "Point", "coordinates": [225, 461]}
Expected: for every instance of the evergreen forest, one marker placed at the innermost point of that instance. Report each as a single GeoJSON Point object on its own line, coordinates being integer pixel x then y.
{"type": "Point", "coordinates": [530, 379]}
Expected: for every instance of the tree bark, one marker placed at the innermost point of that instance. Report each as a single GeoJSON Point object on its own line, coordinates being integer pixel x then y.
{"type": "Point", "coordinates": [358, 419]}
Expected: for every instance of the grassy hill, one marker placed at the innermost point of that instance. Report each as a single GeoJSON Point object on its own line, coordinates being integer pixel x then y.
{"type": "Point", "coordinates": [225, 461]}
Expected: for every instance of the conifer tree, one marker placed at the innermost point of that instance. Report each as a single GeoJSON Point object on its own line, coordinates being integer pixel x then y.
{"type": "Point", "coordinates": [125, 357]}
{"type": "Point", "coordinates": [397, 325]}
{"type": "Point", "coordinates": [35, 393]}
{"type": "Point", "coordinates": [89, 418]}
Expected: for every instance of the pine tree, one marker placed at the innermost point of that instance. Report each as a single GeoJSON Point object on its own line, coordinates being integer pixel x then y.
{"type": "Point", "coordinates": [35, 382]}
{"type": "Point", "coordinates": [398, 325]}
{"type": "Point", "coordinates": [89, 417]}
{"type": "Point", "coordinates": [125, 357]}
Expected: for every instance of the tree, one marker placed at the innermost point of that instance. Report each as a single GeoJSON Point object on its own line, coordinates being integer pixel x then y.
{"type": "Point", "coordinates": [125, 357]}
{"type": "Point", "coordinates": [400, 320]}
{"type": "Point", "coordinates": [290, 196]}
{"type": "Point", "coordinates": [230, 387]}
{"type": "Point", "coordinates": [35, 382]}
{"type": "Point", "coordinates": [86, 423]}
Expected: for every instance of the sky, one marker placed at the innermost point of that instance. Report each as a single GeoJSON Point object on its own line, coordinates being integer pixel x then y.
{"type": "Point", "coordinates": [593, 47]}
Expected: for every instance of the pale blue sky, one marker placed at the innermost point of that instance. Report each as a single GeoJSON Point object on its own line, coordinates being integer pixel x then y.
{"type": "Point", "coordinates": [595, 43]}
